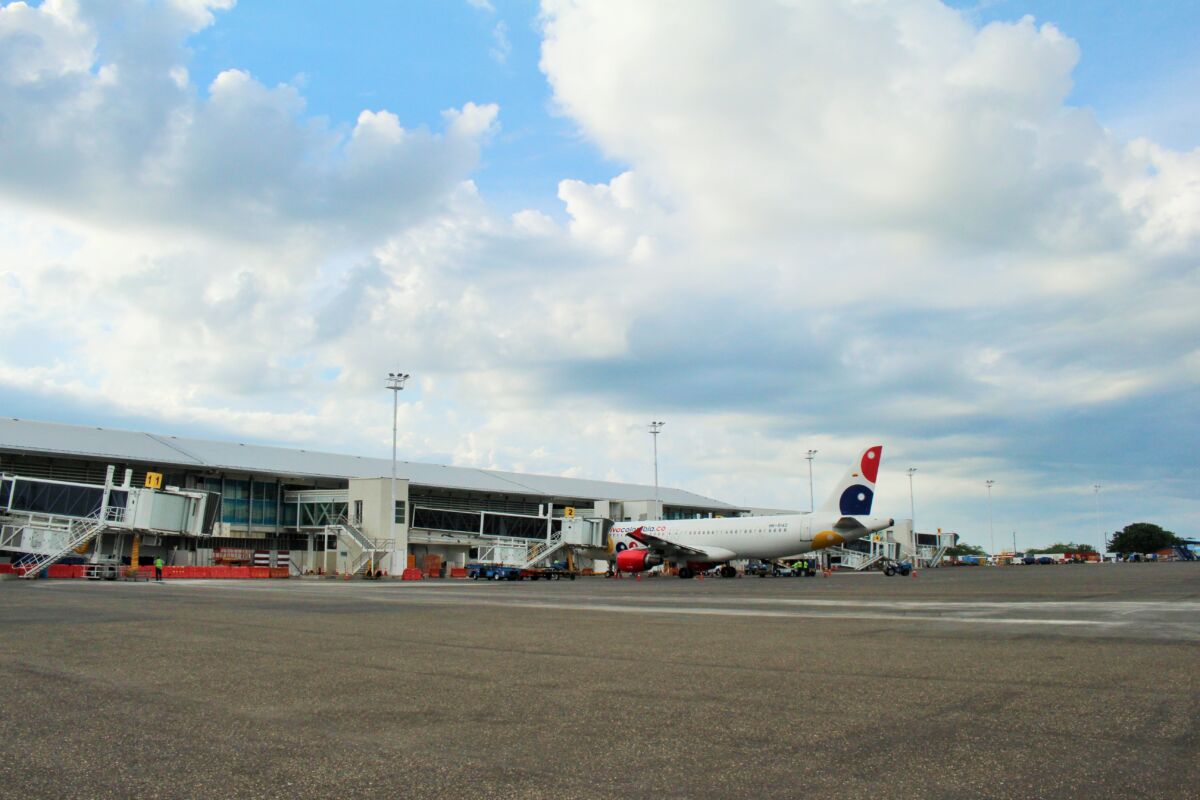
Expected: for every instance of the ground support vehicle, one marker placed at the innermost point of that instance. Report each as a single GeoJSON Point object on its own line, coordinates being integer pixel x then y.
{"type": "Point", "coordinates": [493, 572]}
{"type": "Point", "coordinates": [508, 572]}
{"type": "Point", "coordinates": [891, 568]}
{"type": "Point", "coordinates": [775, 569]}
{"type": "Point", "coordinates": [552, 573]}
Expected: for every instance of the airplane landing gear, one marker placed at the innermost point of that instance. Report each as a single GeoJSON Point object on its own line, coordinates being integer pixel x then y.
{"type": "Point", "coordinates": [728, 572]}
{"type": "Point", "coordinates": [686, 572]}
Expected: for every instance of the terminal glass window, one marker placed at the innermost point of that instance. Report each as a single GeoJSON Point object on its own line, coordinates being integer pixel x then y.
{"type": "Point", "coordinates": [235, 502]}
{"type": "Point", "coordinates": [243, 503]}
{"type": "Point", "coordinates": [399, 512]}
{"type": "Point", "coordinates": [264, 504]}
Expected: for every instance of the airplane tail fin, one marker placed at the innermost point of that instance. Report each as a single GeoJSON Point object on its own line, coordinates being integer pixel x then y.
{"type": "Point", "coordinates": [853, 494]}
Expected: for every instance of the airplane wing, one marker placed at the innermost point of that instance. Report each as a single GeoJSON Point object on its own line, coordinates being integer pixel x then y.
{"type": "Point", "coordinates": [667, 548]}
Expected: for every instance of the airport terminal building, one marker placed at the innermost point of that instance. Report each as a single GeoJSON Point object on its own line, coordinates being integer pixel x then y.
{"type": "Point", "coordinates": [192, 500]}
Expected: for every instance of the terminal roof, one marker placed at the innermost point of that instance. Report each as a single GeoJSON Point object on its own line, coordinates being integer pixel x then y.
{"type": "Point", "coordinates": [49, 438]}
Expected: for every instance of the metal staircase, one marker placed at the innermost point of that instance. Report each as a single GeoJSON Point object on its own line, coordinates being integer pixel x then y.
{"type": "Point", "coordinates": [79, 533]}
{"type": "Point", "coordinates": [857, 559]}
{"type": "Point", "coordinates": [854, 559]}
{"type": "Point", "coordinates": [370, 551]}
{"type": "Point", "coordinates": [505, 550]}
{"type": "Point", "coordinates": [931, 556]}
{"type": "Point", "coordinates": [540, 551]}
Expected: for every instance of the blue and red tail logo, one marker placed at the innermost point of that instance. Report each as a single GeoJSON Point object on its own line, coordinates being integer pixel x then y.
{"type": "Point", "coordinates": [857, 497]}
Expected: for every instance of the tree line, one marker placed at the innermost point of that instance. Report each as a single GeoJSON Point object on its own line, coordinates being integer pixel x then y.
{"type": "Point", "coordinates": [1138, 537]}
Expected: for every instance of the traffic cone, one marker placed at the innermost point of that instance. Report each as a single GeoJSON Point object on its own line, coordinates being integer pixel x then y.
{"type": "Point", "coordinates": [639, 576]}
{"type": "Point", "coordinates": [914, 572]}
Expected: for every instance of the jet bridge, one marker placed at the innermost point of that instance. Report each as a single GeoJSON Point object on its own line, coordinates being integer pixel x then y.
{"type": "Point", "coordinates": [572, 534]}
{"type": "Point", "coordinates": [49, 519]}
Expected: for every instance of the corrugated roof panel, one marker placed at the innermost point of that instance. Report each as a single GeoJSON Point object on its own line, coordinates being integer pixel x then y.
{"type": "Point", "coordinates": [37, 437]}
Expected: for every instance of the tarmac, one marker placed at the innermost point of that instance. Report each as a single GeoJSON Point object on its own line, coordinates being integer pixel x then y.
{"type": "Point", "coordinates": [1011, 682]}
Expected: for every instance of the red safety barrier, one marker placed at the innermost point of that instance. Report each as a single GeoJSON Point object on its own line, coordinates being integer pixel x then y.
{"type": "Point", "coordinates": [456, 572]}
{"type": "Point", "coordinates": [410, 574]}
{"type": "Point", "coordinates": [239, 572]}
{"type": "Point", "coordinates": [174, 572]}
{"type": "Point", "coordinates": [7, 569]}
{"type": "Point", "coordinates": [279, 572]}
{"type": "Point", "coordinates": [259, 572]}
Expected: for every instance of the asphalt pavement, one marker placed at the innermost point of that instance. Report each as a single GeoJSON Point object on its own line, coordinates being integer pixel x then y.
{"type": "Point", "coordinates": [1048, 681]}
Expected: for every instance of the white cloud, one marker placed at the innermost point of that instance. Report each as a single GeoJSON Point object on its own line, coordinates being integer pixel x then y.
{"type": "Point", "coordinates": [501, 46]}
{"type": "Point", "coordinates": [43, 43]}
{"type": "Point", "coordinates": [888, 116]}
{"type": "Point", "coordinates": [129, 140]}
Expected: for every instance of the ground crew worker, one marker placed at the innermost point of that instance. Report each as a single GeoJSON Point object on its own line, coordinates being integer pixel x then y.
{"type": "Point", "coordinates": [158, 565]}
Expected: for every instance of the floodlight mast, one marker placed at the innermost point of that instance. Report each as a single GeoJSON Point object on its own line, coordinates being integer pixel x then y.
{"type": "Point", "coordinates": [991, 531]}
{"type": "Point", "coordinates": [811, 503]}
{"type": "Point", "coordinates": [395, 382]}
{"type": "Point", "coordinates": [655, 429]}
{"type": "Point", "coordinates": [912, 506]}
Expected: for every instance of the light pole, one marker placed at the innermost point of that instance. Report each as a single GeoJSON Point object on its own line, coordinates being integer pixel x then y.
{"type": "Point", "coordinates": [395, 382]}
{"type": "Point", "coordinates": [655, 429]}
{"type": "Point", "coordinates": [991, 531]}
{"type": "Point", "coordinates": [912, 506]}
{"type": "Point", "coordinates": [811, 504]}
{"type": "Point", "coordinates": [1099, 527]}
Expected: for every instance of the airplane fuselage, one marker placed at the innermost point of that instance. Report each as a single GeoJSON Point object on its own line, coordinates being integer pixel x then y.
{"type": "Point", "coordinates": [747, 537]}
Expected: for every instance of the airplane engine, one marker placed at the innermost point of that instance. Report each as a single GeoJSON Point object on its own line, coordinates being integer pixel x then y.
{"type": "Point", "coordinates": [638, 560]}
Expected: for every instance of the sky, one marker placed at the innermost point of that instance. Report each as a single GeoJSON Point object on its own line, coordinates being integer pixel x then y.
{"type": "Point", "coordinates": [967, 231]}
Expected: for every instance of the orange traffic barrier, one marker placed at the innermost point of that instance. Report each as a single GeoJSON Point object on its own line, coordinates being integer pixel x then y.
{"type": "Point", "coordinates": [279, 572]}
{"type": "Point", "coordinates": [411, 574]}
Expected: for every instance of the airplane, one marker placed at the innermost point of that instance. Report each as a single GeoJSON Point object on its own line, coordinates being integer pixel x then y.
{"type": "Point", "coordinates": [695, 545]}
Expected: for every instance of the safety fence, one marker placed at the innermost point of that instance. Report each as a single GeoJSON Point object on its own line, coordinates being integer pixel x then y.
{"type": "Point", "coordinates": [143, 572]}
